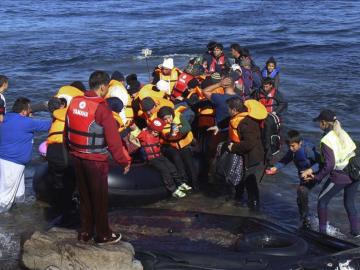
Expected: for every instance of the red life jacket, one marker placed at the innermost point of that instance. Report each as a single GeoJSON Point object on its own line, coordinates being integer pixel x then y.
{"type": "Point", "coordinates": [83, 133]}
{"type": "Point", "coordinates": [150, 144]}
{"type": "Point", "coordinates": [181, 85]}
{"type": "Point", "coordinates": [220, 61]}
{"type": "Point", "coordinates": [268, 100]}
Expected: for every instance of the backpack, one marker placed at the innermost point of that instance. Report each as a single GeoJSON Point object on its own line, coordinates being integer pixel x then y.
{"type": "Point", "coordinates": [353, 168]}
{"type": "Point", "coordinates": [271, 135]}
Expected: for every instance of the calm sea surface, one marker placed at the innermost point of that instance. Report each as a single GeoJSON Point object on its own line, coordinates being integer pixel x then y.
{"type": "Point", "coordinates": [47, 44]}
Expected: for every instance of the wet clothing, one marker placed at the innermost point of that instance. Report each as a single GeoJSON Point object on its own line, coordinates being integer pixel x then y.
{"type": "Point", "coordinates": [12, 184]}
{"type": "Point", "coordinates": [61, 176]}
{"type": "Point", "coordinates": [331, 189]}
{"type": "Point", "coordinates": [303, 199]}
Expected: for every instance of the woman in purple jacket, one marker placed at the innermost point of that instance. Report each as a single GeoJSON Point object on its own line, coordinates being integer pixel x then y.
{"type": "Point", "coordinates": [336, 150]}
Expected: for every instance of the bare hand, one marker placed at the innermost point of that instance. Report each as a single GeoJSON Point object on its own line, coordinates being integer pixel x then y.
{"type": "Point", "coordinates": [230, 146]}
{"type": "Point", "coordinates": [307, 174]}
{"type": "Point", "coordinates": [126, 169]}
{"type": "Point", "coordinates": [213, 128]}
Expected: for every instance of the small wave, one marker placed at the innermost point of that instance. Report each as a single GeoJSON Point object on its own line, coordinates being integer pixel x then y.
{"type": "Point", "coordinates": [325, 32]}
{"type": "Point", "coordinates": [62, 61]}
{"type": "Point", "coordinates": [175, 55]}
{"type": "Point", "coordinates": [280, 29]}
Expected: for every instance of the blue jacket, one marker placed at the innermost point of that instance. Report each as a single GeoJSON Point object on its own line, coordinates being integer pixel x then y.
{"type": "Point", "coordinates": [16, 137]}
{"type": "Point", "coordinates": [306, 157]}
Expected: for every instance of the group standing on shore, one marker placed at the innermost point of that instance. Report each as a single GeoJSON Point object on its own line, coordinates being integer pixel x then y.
{"type": "Point", "coordinates": [210, 103]}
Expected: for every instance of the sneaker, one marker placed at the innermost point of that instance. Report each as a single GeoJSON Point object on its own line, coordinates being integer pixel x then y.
{"type": "Point", "coordinates": [178, 194]}
{"type": "Point", "coordinates": [355, 235]}
{"type": "Point", "coordinates": [114, 238]}
{"type": "Point", "coordinates": [185, 187]}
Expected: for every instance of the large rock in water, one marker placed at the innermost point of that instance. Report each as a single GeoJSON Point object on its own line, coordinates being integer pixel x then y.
{"type": "Point", "coordinates": [59, 249]}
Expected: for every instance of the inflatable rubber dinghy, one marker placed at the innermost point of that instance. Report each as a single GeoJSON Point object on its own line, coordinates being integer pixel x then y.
{"type": "Point", "coordinates": [141, 185]}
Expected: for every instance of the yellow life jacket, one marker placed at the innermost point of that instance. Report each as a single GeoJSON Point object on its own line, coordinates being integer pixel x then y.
{"type": "Point", "coordinates": [342, 152]}
{"type": "Point", "coordinates": [147, 91]}
{"type": "Point", "coordinates": [116, 85]}
{"type": "Point", "coordinates": [172, 78]}
{"type": "Point", "coordinates": [68, 92]}
{"type": "Point", "coordinates": [57, 127]}
{"type": "Point", "coordinates": [129, 112]}
{"type": "Point", "coordinates": [161, 102]}
{"type": "Point", "coordinates": [119, 121]}
{"type": "Point", "coordinates": [117, 89]}
{"type": "Point", "coordinates": [182, 142]}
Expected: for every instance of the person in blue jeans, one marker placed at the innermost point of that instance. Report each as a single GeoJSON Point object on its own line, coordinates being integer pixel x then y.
{"type": "Point", "coordinates": [336, 150]}
{"type": "Point", "coordinates": [304, 155]}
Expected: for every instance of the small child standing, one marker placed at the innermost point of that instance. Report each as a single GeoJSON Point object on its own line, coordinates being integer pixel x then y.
{"type": "Point", "coordinates": [4, 82]}
{"type": "Point", "coordinates": [304, 155]}
{"type": "Point", "coordinates": [150, 142]}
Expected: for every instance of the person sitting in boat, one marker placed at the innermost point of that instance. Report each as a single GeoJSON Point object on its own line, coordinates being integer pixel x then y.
{"type": "Point", "coordinates": [117, 89]}
{"type": "Point", "coordinates": [304, 155]}
{"type": "Point", "coordinates": [115, 104]}
{"type": "Point", "coordinates": [250, 73]}
{"type": "Point", "coordinates": [150, 107]}
{"type": "Point", "coordinates": [149, 139]}
{"type": "Point", "coordinates": [176, 143]}
{"type": "Point", "coordinates": [133, 87]}
{"type": "Point", "coordinates": [236, 53]}
{"type": "Point", "coordinates": [271, 70]}
{"type": "Point", "coordinates": [208, 55]}
{"type": "Point", "coordinates": [219, 61]}
{"type": "Point", "coordinates": [167, 72]}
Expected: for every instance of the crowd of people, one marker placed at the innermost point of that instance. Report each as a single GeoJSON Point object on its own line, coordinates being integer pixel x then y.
{"type": "Point", "coordinates": [215, 106]}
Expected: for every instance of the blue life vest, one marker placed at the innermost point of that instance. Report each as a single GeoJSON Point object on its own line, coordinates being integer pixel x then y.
{"type": "Point", "coordinates": [272, 75]}
{"type": "Point", "coordinates": [306, 156]}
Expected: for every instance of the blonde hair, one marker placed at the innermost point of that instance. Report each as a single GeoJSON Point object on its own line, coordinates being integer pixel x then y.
{"type": "Point", "coordinates": [339, 131]}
